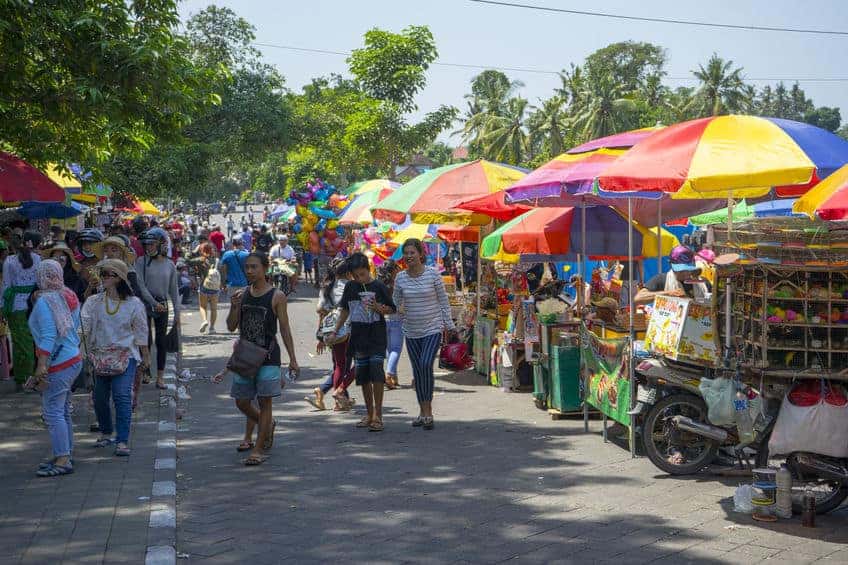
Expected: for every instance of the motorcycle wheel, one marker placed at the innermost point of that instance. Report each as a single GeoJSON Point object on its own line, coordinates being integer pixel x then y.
{"type": "Point", "coordinates": [656, 435]}
{"type": "Point", "coordinates": [829, 493]}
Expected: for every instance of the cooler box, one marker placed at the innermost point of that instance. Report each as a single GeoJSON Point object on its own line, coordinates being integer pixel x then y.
{"type": "Point", "coordinates": [565, 379]}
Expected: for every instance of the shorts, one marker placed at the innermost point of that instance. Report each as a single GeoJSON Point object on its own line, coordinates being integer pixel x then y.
{"type": "Point", "coordinates": [369, 369]}
{"type": "Point", "coordinates": [266, 384]}
{"type": "Point", "coordinates": [208, 291]}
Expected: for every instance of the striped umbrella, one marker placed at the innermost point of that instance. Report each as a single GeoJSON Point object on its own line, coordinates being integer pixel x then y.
{"type": "Point", "coordinates": [358, 212]}
{"type": "Point", "coordinates": [433, 196]}
{"type": "Point", "coordinates": [828, 200]}
{"type": "Point", "coordinates": [364, 186]}
{"type": "Point", "coordinates": [728, 157]}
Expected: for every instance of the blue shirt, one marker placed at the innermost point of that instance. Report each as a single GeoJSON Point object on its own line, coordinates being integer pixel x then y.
{"type": "Point", "coordinates": [47, 340]}
{"type": "Point", "coordinates": [247, 238]}
{"type": "Point", "coordinates": [234, 260]}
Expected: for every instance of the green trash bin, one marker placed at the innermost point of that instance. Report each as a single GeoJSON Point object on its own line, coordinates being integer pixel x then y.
{"type": "Point", "coordinates": [541, 385]}
{"type": "Point", "coordinates": [565, 379]}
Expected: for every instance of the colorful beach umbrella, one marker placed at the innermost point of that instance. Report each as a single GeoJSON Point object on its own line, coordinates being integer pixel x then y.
{"type": "Point", "coordinates": [728, 157]}
{"type": "Point", "coordinates": [423, 232]}
{"type": "Point", "coordinates": [365, 186]}
{"type": "Point", "coordinates": [828, 200]}
{"type": "Point", "coordinates": [145, 207]}
{"type": "Point", "coordinates": [495, 206]}
{"type": "Point", "coordinates": [21, 182]}
{"type": "Point", "coordinates": [744, 211]}
{"type": "Point", "coordinates": [433, 196]}
{"type": "Point", "coordinates": [358, 211]}
{"type": "Point", "coordinates": [55, 210]}
{"type": "Point", "coordinates": [555, 234]}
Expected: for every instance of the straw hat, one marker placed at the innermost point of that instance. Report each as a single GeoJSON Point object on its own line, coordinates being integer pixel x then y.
{"type": "Point", "coordinates": [61, 246]}
{"type": "Point", "coordinates": [117, 241]}
{"type": "Point", "coordinates": [117, 266]}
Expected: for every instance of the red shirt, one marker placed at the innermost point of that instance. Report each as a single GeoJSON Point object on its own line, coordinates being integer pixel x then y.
{"type": "Point", "coordinates": [136, 246]}
{"type": "Point", "coordinates": [217, 238]}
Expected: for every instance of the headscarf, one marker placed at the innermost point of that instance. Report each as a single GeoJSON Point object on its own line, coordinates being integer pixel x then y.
{"type": "Point", "coordinates": [60, 299]}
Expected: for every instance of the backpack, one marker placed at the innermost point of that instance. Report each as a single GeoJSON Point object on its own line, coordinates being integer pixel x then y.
{"type": "Point", "coordinates": [213, 278]}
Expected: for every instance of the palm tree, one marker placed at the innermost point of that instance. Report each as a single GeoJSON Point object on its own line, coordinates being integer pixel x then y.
{"type": "Point", "coordinates": [490, 92]}
{"type": "Point", "coordinates": [505, 139]}
{"type": "Point", "coordinates": [549, 123]}
{"type": "Point", "coordinates": [605, 109]}
{"type": "Point", "coordinates": [722, 89]}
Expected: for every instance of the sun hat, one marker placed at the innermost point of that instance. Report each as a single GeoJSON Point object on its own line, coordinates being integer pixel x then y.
{"type": "Point", "coordinates": [682, 258]}
{"type": "Point", "coordinates": [63, 247]}
{"type": "Point", "coordinates": [117, 266]}
{"type": "Point", "coordinates": [117, 241]}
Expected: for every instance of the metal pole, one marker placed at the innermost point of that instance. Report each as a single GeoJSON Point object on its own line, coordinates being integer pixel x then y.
{"type": "Point", "coordinates": [631, 430]}
{"type": "Point", "coordinates": [659, 237]}
{"type": "Point", "coordinates": [581, 293]}
{"type": "Point", "coordinates": [727, 284]}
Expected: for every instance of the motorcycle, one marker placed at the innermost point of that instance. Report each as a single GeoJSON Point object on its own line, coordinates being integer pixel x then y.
{"type": "Point", "coordinates": [679, 439]}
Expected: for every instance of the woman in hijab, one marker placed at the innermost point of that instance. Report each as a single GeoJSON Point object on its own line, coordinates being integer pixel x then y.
{"type": "Point", "coordinates": [54, 322]}
{"type": "Point", "coordinates": [19, 278]}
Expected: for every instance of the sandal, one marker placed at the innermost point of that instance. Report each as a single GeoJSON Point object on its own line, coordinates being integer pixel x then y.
{"type": "Point", "coordinates": [269, 443]}
{"type": "Point", "coordinates": [428, 423]}
{"type": "Point", "coordinates": [161, 386]}
{"type": "Point", "coordinates": [418, 422]}
{"type": "Point", "coordinates": [318, 404]}
{"type": "Point", "coordinates": [254, 460]}
{"type": "Point", "coordinates": [245, 446]}
{"type": "Point", "coordinates": [364, 422]}
{"type": "Point", "coordinates": [55, 471]}
{"type": "Point", "coordinates": [122, 451]}
{"type": "Point", "coordinates": [51, 462]}
{"type": "Point", "coordinates": [376, 426]}
{"type": "Point", "coordinates": [104, 442]}
{"type": "Point", "coordinates": [391, 383]}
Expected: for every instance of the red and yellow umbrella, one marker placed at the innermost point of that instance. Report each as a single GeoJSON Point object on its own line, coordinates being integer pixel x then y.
{"type": "Point", "coordinates": [728, 156]}
{"type": "Point", "coordinates": [359, 211]}
{"type": "Point", "coordinates": [432, 197]}
{"type": "Point", "coordinates": [828, 200]}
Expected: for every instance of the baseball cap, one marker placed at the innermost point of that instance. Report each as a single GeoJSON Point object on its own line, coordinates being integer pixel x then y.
{"type": "Point", "coordinates": [682, 258]}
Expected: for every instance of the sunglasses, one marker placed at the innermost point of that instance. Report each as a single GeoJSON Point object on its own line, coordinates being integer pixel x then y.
{"type": "Point", "coordinates": [107, 275]}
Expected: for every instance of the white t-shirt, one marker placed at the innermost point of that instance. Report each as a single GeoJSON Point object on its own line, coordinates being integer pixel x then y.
{"type": "Point", "coordinates": [280, 252]}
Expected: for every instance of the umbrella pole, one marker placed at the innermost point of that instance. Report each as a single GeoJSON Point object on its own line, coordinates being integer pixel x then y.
{"type": "Point", "coordinates": [727, 288]}
{"type": "Point", "coordinates": [631, 430]}
{"type": "Point", "coordinates": [461, 272]}
{"type": "Point", "coordinates": [659, 237]}
{"type": "Point", "coordinates": [581, 293]}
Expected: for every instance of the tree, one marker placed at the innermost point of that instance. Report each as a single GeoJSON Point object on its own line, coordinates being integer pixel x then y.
{"type": "Point", "coordinates": [824, 117]}
{"type": "Point", "coordinates": [87, 81]}
{"type": "Point", "coordinates": [489, 99]}
{"type": "Point", "coordinates": [722, 87]}
{"type": "Point", "coordinates": [547, 125]}
{"type": "Point", "coordinates": [391, 66]}
{"type": "Point", "coordinates": [505, 139]}
{"type": "Point", "coordinates": [440, 153]}
{"type": "Point", "coordinates": [630, 64]}
{"type": "Point", "coordinates": [605, 109]}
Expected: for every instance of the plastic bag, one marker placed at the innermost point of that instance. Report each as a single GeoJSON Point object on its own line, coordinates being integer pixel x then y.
{"type": "Point", "coordinates": [742, 499]}
{"type": "Point", "coordinates": [719, 395]}
{"type": "Point", "coordinates": [455, 356]}
{"type": "Point", "coordinates": [821, 428]}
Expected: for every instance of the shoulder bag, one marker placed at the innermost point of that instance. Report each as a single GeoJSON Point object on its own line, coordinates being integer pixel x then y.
{"type": "Point", "coordinates": [247, 359]}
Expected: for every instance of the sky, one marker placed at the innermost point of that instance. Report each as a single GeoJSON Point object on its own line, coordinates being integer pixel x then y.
{"type": "Point", "coordinates": [491, 36]}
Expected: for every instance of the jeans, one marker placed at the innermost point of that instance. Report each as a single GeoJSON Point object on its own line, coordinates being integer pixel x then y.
{"type": "Point", "coordinates": [422, 355]}
{"type": "Point", "coordinates": [56, 405]}
{"type": "Point", "coordinates": [120, 389]}
{"type": "Point", "coordinates": [394, 333]}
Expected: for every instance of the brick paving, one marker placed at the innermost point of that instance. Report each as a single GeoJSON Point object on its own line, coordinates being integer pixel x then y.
{"type": "Point", "coordinates": [497, 480]}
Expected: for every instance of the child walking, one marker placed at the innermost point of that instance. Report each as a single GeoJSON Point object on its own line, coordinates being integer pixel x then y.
{"type": "Point", "coordinates": [366, 301]}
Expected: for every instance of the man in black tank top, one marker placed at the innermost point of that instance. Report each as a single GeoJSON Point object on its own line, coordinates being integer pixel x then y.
{"type": "Point", "coordinates": [257, 313]}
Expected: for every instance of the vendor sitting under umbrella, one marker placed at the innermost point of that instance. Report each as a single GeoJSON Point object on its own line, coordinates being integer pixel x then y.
{"type": "Point", "coordinates": [681, 281]}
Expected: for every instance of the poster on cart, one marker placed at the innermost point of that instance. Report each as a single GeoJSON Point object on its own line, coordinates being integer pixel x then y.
{"type": "Point", "coordinates": [666, 325]}
{"type": "Point", "coordinates": [698, 340]}
{"type": "Point", "coordinates": [605, 376]}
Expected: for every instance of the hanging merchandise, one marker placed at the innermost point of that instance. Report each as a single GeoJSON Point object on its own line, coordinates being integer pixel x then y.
{"type": "Point", "coordinates": [818, 428]}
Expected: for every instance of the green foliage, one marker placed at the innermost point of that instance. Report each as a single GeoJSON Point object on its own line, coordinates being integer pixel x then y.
{"type": "Point", "coordinates": [630, 64]}
{"type": "Point", "coordinates": [391, 66]}
{"type": "Point", "coordinates": [89, 81]}
{"type": "Point", "coordinates": [440, 153]}
{"type": "Point", "coordinates": [722, 89]}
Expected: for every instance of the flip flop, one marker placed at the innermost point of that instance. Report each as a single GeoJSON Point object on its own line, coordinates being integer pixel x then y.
{"type": "Point", "coordinates": [376, 426]}
{"type": "Point", "coordinates": [245, 446]}
{"type": "Point", "coordinates": [269, 443]}
{"type": "Point", "coordinates": [254, 460]}
{"type": "Point", "coordinates": [314, 402]}
{"type": "Point", "coordinates": [364, 423]}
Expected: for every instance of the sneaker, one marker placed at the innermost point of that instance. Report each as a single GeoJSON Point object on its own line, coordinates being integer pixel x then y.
{"type": "Point", "coordinates": [211, 330]}
{"type": "Point", "coordinates": [203, 327]}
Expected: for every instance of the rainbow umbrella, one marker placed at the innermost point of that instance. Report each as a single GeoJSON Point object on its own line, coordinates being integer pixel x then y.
{"type": "Point", "coordinates": [358, 212]}
{"type": "Point", "coordinates": [365, 186]}
{"type": "Point", "coordinates": [495, 206]}
{"type": "Point", "coordinates": [556, 234]}
{"type": "Point", "coordinates": [828, 200]}
{"type": "Point", "coordinates": [433, 196]}
{"type": "Point", "coordinates": [728, 157]}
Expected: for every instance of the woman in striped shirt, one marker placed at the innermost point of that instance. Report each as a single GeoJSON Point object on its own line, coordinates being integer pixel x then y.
{"type": "Point", "coordinates": [420, 296]}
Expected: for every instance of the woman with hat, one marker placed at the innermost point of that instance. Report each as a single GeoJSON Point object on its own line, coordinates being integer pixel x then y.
{"type": "Point", "coordinates": [115, 325]}
{"type": "Point", "coordinates": [19, 280]}
{"type": "Point", "coordinates": [64, 255]}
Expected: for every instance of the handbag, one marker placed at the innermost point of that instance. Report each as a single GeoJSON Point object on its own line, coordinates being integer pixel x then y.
{"type": "Point", "coordinates": [110, 360]}
{"type": "Point", "coordinates": [820, 427]}
{"type": "Point", "coordinates": [247, 358]}
{"type": "Point", "coordinates": [172, 340]}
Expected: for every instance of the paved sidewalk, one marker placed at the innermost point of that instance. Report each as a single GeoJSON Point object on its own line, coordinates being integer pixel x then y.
{"type": "Point", "coordinates": [496, 480]}
{"type": "Point", "coordinates": [99, 514]}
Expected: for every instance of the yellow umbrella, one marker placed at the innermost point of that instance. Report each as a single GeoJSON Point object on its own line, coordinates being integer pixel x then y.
{"type": "Point", "coordinates": [63, 179]}
{"type": "Point", "coordinates": [147, 208]}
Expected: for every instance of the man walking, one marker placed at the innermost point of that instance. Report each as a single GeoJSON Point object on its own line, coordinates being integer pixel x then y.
{"type": "Point", "coordinates": [232, 267]}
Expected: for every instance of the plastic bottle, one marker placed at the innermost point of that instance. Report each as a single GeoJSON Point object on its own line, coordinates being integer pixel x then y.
{"type": "Point", "coordinates": [808, 517]}
{"type": "Point", "coordinates": [744, 423]}
{"type": "Point", "coordinates": [784, 492]}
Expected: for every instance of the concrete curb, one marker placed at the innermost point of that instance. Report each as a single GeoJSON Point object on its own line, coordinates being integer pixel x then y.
{"type": "Point", "coordinates": [162, 528]}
